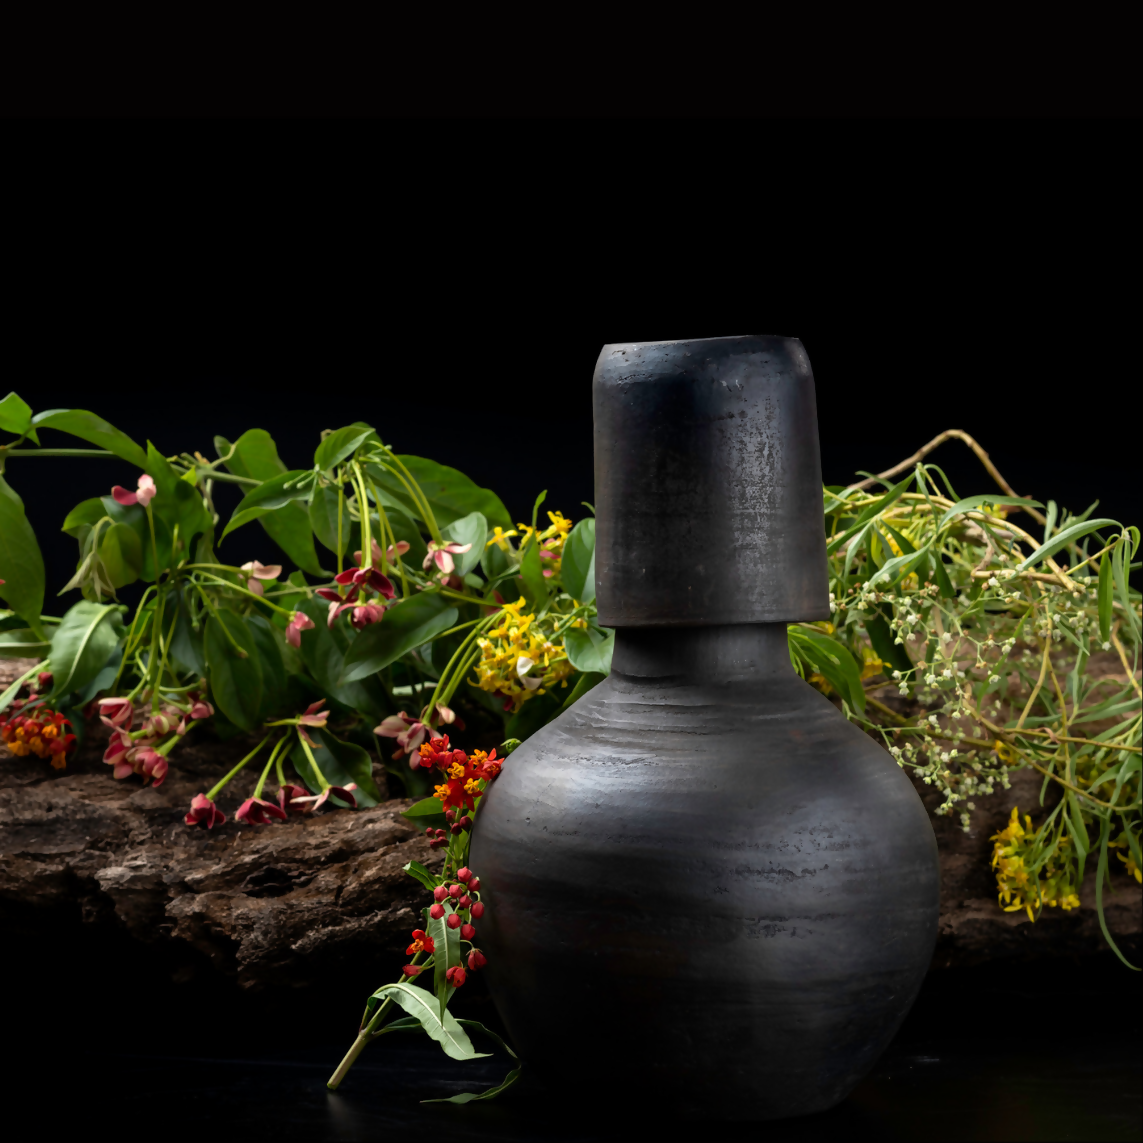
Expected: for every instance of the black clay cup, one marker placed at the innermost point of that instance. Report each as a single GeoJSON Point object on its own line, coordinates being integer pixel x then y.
{"type": "Point", "coordinates": [704, 886]}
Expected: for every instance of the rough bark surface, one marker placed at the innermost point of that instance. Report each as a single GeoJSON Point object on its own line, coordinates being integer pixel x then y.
{"type": "Point", "coordinates": [319, 898]}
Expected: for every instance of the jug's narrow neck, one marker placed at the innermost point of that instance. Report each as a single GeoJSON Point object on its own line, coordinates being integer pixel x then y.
{"type": "Point", "coordinates": [727, 653]}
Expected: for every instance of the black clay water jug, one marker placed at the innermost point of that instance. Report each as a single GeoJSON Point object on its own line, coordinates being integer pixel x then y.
{"type": "Point", "coordinates": [706, 888]}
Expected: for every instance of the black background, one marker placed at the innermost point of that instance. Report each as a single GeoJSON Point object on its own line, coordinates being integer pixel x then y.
{"type": "Point", "coordinates": [453, 284]}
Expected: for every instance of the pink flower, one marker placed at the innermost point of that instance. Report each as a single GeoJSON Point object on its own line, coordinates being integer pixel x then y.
{"type": "Point", "coordinates": [203, 811]}
{"type": "Point", "coordinates": [254, 811]}
{"type": "Point", "coordinates": [408, 732]}
{"type": "Point", "coordinates": [311, 716]}
{"type": "Point", "coordinates": [144, 495]}
{"type": "Point", "coordinates": [476, 959]}
{"type": "Point", "coordinates": [441, 555]}
{"type": "Point", "coordinates": [151, 764]}
{"type": "Point", "coordinates": [287, 794]}
{"type": "Point", "coordinates": [116, 713]}
{"type": "Point", "coordinates": [116, 753]}
{"type": "Point", "coordinates": [316, 801]}
{"type": "Point", "coordinates": [256, 571]}
{"type": "Point", "coordinates": [402, 548]}
{"type": "Point", "coordinates": [201, 709]}
{"type": "Point", "coordinates": [363, 613]}
{"type": "Point", "coordinates": [299, 622]}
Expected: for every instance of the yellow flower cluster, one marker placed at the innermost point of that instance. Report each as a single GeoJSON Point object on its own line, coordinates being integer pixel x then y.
{"type": "Point", "coordinates": [1019, 887]}
{"type": "Point", "coordinates": [518, 659]}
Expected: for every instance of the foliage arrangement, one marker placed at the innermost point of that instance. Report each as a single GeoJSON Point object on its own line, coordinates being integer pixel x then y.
{"type": "Point", "coordinates": [435, 608]}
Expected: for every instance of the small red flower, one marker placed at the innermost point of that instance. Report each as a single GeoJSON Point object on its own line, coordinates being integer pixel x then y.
{"type": "Point", "coordinates": [436, 912]}
{"type": "Point", "coordinates": [454, 891]}
{"type": "Point", "coordinates": [474, 885]}
{"type": "Point", "coordinates": [453, 921]}
{"type": "Point", "coordinates": [422, 942]}
{"type": "Point", "coordinates": [409, 734]}
{"type": "Point", "coordinates": [255, 811]}
{"type": "Point", "coordinates": [203, 811]}
{"type": "Point", "coordinates": [476, 959]}
{"type": "Point", "coordinates": [117, 713]}
{"type": "Point", "coordinates": [463, 874]}
{"type": "Point", "coordinates": [413, 969]}
{"type": "Point", "coordinates": [467, 932]}
{"type": "Point", "coordinates": [455, 976]}
{"type": "Point", "coordinates": [440, 893]}
{"type": "Point", "coordinates": [144, 495]}
{"type": "Point", "coordinates": [478, 910]}
{"type": "Point", "coordinates": [463, 902]}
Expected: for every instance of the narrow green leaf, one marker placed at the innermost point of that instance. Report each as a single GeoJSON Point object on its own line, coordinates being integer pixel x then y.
{"type": "Point", "coordinates": [22, 643]}
{"type": "Point", "coordinates": [1120, 556]}
{"type": "Point", "coordinates": [577, 565]}
{"type": "Point", "coordinates": [235, 682]}
{"type": "Point", "coordinates": [1105, 597]}
{"type": "Point", "coordinates": [941, 576]}
{"type": "Point", "coordinates": [1062, 539]}
{"type": "Point", "coordinates": [339, 445]}
{"type": "Point", "coordinates": [532, 574]}
{"type": "Point", "coordinates": [87, 426]}
{"type": "Point", "coordinates": [273, 493]}
{"type": "Point", "coordinates": [898, 567]}
{"type": "Point", "coordinates": [83, 642]}
{"type": "Point", "coordinates": [421, 1004]}
{"type": "Point", "coordinates": [868, 512]}
{"type": "Point", "coordinates": [971, 502]}
{"type": "Point", "coordinates": [833, 661]}
{"type": "Point", "coordinates": [450, 493]}
{"type": "Point", "coordinates": [419, 873]}
{"type": "Point", "coordinates": [21, 564]}
{"type": "Point", "coordinates": [882, 640]}
{"type": "Point", "coordinates": [426, 807]}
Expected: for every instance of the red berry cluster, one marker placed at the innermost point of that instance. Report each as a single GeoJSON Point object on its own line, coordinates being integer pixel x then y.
{"type": "Point", "coordinates": [464, 898]}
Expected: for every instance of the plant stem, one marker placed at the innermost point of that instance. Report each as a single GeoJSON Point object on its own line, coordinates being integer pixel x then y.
{"type": "Point", "coordinates": [1039, 681]}
{"type": "Point", "coordinates": [214, 790]}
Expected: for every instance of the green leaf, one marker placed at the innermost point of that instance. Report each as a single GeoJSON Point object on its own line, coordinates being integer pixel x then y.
{"type": "Point", "coordinates": [868, 512]}
{"type": "Point", "coordinates": [941, 575]}
{"type": "Point", "coordinates": [22, 643]}
{"type": "Point", "coordinates": [450, 493]}
{"type": "Point", "coordinates": [176, 501]}
{"type": "Point", "coordinates": [1120, 557]}
{"type": "Point", "coordinates": [275, 492]}
{"type": "Point", "coordinates": [971, 502]}
{"type": "Point", "coordinates": [590, 650]}
{"type": "Point", "coordinates": [1062, 539]}
{"type": "Point", "coordinates": [255, 455]}
{"type": "Point", "coordinates": [187, 643]}
{"type": "Point", "coordinates": [471, 529]}
{"type": "Point", "coordinates": [492, 1092]}
{"type": "Point", "coordinates": [419, 873]}
{"type": "Point", "coordinates": [421, 1004]}
{"type": "Point", "coordinates": [340, 444]}
{"type": "Point", "coordinates": [83, 642]}
{"type": "Point", "coordinates": [235, 682]}
{"type": "Point", "coordinates": [269, 641]}
{"type": "Point", "coordinates": [833, 661]}
{"type": "Point", "coordinates": [21, 564]}
{"type": "Point", "coordinates": [341, 763]}
{"type": "Point", "coordinates": [1105, 598]}
{"type": "Point", "coordinates": [121, 551]}
{"type": "Point", "coordinates": [87, 426]}
{"type": "Point", "coordinates": [899, 566]}
{"type": "Point", "coordinates": [16, 417]}
{"type": "Point", "coordinates": [881, 638]}
{"type": "Point", "coordinates": [83, 517]}
{"type": "Point", "coordinates": [407, 624]}
{"type": "Point", "coordinates": [323, 519]}
{"type": "Point", "coordinates": [323, 651]}
{"type": "Point", "coordinates": [426, 807]}
{"type": "Point", "coordinates": [533, 575]}
{"type": "Point", "coordinates": [577, 565]}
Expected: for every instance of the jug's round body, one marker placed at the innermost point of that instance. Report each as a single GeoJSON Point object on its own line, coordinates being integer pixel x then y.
{"type": "Point", "coordinates": [704, 885]}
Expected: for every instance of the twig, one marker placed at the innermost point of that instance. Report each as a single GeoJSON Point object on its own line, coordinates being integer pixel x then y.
{"type": "Point", "coordinates": [1123, 659]}
{"type": "Point", "coordinates": [1039, 681]}
{"type": "Point", "coordinates": [950, 434]}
